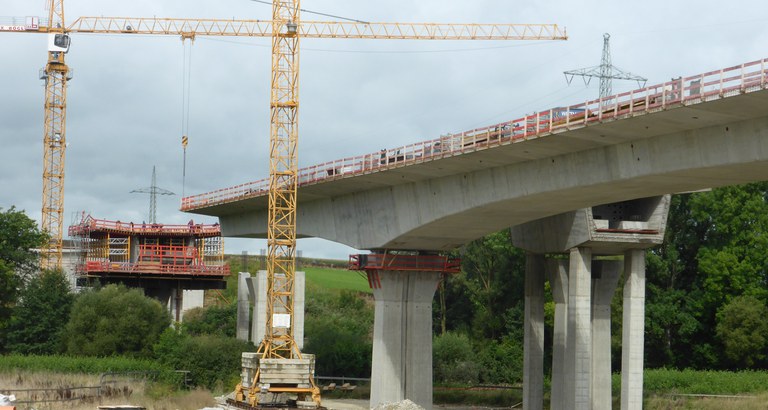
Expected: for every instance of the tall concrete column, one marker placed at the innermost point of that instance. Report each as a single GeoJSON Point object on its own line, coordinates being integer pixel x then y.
{"type": "Point", "coordinates": [299, 280]}
{"type": "Point", "coordinates": [579, 352]}
{"type": "Point", "coordinates": [257, 295]}
{"type": "Point", "coordinates": [605, 277]}
{"type": "Point", "coordinates": [558, 281]}
{"type": "Point", "coordinates": [633, 330]}
{"type": "Point", "coordinates": [533, 339]}
{"type": "Point", "coordinates": [257, 288]}
{"type": "Point", "coordinates": [402, 337]}
{"type": "Point", "coordinates": [243, 306]}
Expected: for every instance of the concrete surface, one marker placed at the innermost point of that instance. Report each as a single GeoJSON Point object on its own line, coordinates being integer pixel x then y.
{"type": "Point", "coordinates": [533, 335]}
{"type": "Point", "coordinates": [402, 338]}
{"type": "Point", "coordinates": [444, 203]}
{"type": "Point", "coordinates": [243, 306]}
{"type": "Point", "coordinates": [605, 277]}
{"type": "Point", "coordinates": [557, 271]}
{"type": "Point", "coordinates": [633, 331]}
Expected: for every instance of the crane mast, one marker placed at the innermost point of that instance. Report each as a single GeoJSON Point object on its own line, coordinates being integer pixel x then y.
{"type": "Point", "coordinates": [56, 74]}
{"type": "Point", "coordinates": [283, 168]}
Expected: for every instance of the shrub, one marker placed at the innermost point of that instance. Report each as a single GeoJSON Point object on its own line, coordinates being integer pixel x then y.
{"type": "Point", "coordinates": [338, 331]}
{"type": "Point", "coordinates": [501, 362]}
{"type": "Point", "coordinates": [452, 359]}
{"type": "Point", "coordinates": [213, 320]}
{"type": "Point", "coordinates": [213, 361]}
{"type": "Point", "coordinates": [115, 320]}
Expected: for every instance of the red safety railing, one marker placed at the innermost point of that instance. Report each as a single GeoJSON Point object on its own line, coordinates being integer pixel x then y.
{"type": "Point", "coordinates": [696, 89]}
{"type": "Point", "coordinates": [90, 224]}
{"type": "Point", "coordinates": [145, 269]}
{"type": "Point", "coordinates": [397, 262]}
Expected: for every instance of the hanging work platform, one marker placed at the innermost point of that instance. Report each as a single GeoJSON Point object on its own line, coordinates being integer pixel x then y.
{"type": "Point", "coordinates": [115, 251]}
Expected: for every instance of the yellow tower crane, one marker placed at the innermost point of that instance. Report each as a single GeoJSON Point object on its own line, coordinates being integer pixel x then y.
{"type": "Point", "coordinates": [286, 29]}
{"type": "Point", "coordinates": [56, 74]}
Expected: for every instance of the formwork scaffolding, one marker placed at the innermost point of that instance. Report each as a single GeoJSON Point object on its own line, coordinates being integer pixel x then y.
{"type": "Point", "coordinates": [113, 249]}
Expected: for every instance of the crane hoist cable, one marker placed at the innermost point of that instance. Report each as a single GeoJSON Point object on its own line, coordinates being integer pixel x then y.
{"type": "Point", "coordinates": [186, 79]}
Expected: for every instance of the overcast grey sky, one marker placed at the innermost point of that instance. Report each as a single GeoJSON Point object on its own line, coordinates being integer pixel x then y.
{"type": "Point", "coordinates": [357, 96]}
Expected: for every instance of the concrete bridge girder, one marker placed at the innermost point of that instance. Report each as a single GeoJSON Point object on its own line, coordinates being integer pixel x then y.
{"type": "Point", "coordinates": [445, 212]}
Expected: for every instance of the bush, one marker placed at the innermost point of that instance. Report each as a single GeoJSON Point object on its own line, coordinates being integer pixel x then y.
{"type": "Point", "coordinates": [115, 320]}
{"type": "Point", "coordinates": [338, 331]}
{"type": "Point", "coordinates": [213, 361]}
{"type": "Point", "coordinates": [501, 362]}
{"type": "Point", "coordinates": [213, 320]}
{"type": "Point", "coordinates": [665, 381]}
{"type": "Point", "coordinates": [452, 359]}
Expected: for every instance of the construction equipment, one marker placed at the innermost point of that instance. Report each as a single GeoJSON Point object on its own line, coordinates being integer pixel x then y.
{"type": "Point", "coordinates": [56, 74]}
{"type": "Point", "coordinates": [285, 29]}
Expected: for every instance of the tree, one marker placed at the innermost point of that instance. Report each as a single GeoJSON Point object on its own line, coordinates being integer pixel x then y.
{"type": "Point", "coordinates": [41, 315]}
{"type": "Point", "coordinates": [733, 259]}
{"type": "Point", "coordinates": [495, 270]}
{"type": "Point", "coordinates": [742, 329]}
{"type": "Point", "coordinates": [9, 284]}
{"type": "Point", "coordinates": [19, 236]}
{"type": "Point", "coordinates": [115, 320]}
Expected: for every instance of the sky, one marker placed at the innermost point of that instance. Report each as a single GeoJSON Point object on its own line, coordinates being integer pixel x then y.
{"type": "Point", "coordinates": [125, 103]}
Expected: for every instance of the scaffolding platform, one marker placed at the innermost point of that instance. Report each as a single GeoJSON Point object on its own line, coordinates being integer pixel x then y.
{"type": "Point", "coordinates": [141, 252]}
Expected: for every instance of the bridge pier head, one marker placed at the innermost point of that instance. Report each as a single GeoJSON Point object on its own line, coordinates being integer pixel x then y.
{"type": "Point", "coordinates": [583, 281]}
{"type": "Point", "coordinates": [403, 287]}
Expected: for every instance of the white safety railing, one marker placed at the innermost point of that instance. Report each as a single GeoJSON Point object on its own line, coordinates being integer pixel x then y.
{"type": "Point", "coordinates": [696, 89]}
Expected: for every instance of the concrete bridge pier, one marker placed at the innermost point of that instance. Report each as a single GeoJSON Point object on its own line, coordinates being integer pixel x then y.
{"type": "Point", "coordinates": [633, 331]}
{"type": "Point", "coordinates": [402, 337]}
{"type": "Point", "coordinates": [403, 287]}
{"type": "Point", "coordinates": [582, 290]}
{"type": "Point", "coordinates": [557, 275]}
{"type": "Point", "coordinates": [605, 277]}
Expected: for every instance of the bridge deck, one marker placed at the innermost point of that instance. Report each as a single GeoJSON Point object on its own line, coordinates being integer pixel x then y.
{"type": "Point", "coordinates": [707, 99]}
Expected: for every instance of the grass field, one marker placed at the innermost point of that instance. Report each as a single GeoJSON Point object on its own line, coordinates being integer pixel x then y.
{"type": "Point", "coordinates": [330, 278]}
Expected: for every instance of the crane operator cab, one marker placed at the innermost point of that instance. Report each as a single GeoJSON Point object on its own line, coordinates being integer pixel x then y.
{"type": "Point", "coordinates": [58, 42]}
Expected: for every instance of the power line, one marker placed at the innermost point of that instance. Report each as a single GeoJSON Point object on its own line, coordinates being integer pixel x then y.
{"type": "Point", "coordinates": [606, 72]}
{"type": "Point", "coordinates": [317, 12]}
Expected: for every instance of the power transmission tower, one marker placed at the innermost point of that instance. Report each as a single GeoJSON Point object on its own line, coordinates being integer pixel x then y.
{"type": "Point", "coordinates": [606, 72]}
{"type": "Point", "coordinates": [153, 192]}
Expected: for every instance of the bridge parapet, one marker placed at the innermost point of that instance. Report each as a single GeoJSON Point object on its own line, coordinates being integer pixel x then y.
{"type": "Point", "coordinates": [709, 86]}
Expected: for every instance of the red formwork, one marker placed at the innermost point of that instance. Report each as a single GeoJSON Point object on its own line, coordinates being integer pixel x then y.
{"type": "Point", "coordinates": [373, 263]}
{"type": "Point", "coordinates": [396, 262]}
